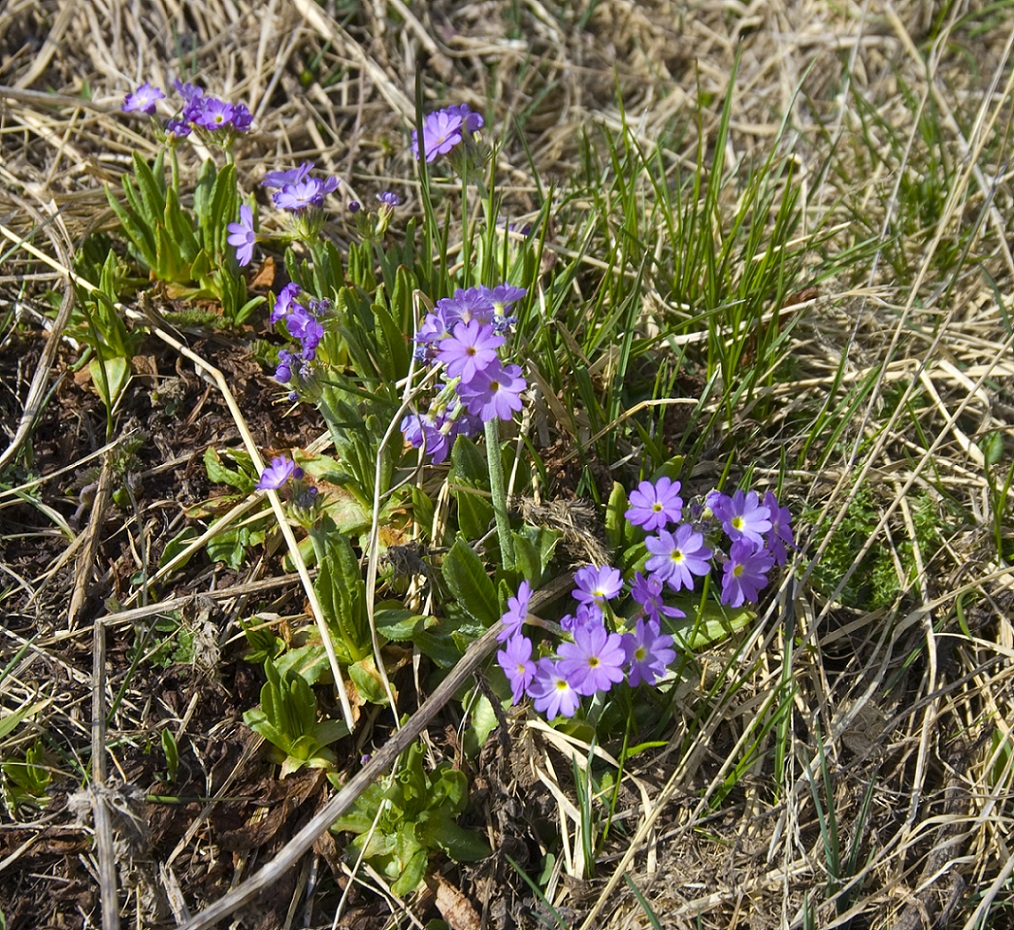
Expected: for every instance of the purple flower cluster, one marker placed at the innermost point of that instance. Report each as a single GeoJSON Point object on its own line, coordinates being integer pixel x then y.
{"type": "Point", "coordinates": [296, 191]}
{"type": "Point", "coordinates": [757, 533]}
{"type": "Point", "coordinates": [463, 333]}
{"type": "Point", "coordinates": [198, 111]}
{"type": "Point", "coordinates": [444, 129]}
{"type": "Point", "coordinates": [605, 648]}
{"type": "Point", "coordinates": [594, 659]}
{"type": "Point", "coordinates": [302, 323]}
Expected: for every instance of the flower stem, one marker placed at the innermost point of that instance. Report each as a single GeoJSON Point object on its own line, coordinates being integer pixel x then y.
{"type": "Point", "coordinates": [499, 493]}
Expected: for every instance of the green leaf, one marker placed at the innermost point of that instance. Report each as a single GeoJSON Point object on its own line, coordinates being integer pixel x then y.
{"type": "Point", "coordinates": [342, 592]}
{"type": "Point", "coordinates": [447, 789]}
{"type": "Point", "coordinates": [330, 731]}
{"type": "Point", "coordinates": [9, 721]}
{"type": "Point", "coordinates": [359, 819]}
{"type": "Point", "coordinates": [616, 523]}
{"type": "Point", "coordinates": [466, 577]}
{"type": "Point", "coordinates": [398, 624]}
{"type": "Point", "coordinates": [140, 234]}
{"type": "Point", "coordinates": [110, 377]}
{"type": "Point", "coordinates": [712, 625]}
{"type": "Point", "coordinates": [460, 844]}
{"type": "Point", "coordinates": [172, 755]}
{"type": "Point", "coordinates": [176, 545]}
{"type": "Point", "coordinates": [231, 546]}
{"type": "Point", "coordinates": [422, 510]}
{"type": "Point", "coordinates": [392, 342]}
{"type": "Point", "coordinates": [223, 211]}
{"type": "Point", "coordinates": [151, 187]}
{"type": "Point", "coordinates": [481, 722]}
{"type": "Point", "coordinates": [367, 679]}
{"type": "Point", "coordinates": [241, 478]}
{"type": "Point", "coordinates": [413, 859]}
{"type": "Point", "coordinates": [534, 547]}
{"type": "Point", "coordinates": [181, 241]}
{"type": "Point", "coordinates": [440, 645]}
{"type": "Point", "coordinates": [310, 662]}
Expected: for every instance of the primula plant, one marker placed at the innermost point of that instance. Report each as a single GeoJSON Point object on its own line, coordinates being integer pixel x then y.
{"type": "Point", "coordinates": [415, 371]}
{"type": "Point", "coordinates": [188, 249]}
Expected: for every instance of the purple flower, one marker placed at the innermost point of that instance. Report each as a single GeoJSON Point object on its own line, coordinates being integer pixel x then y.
{"type": "Point", "coordinates": [213, 114]}
{"type": "Point", "coordinates": [309, 192]}
{"type": "Point", "coordinates": [431, 433]}
{"type": "Point", "coordinates": [504, 296]}
{"type": "Point", "coordinates": [597, 584]}
{"type": "Point", "coordinates": [516, 661]}
{"type": "Point", "coordinates": [303, 326]}
{"type": "Point", "coordinates": [589, 614]}
{"type": "Point", "coordinates": [286, 360]}
{"type": "Point", "coordinates": [780, 535]}
{"type": "Point", "coordinates": [470, 120]}
{"type": "Point", "coordinates": [389, 199]}
{"type": "Point", "coordinates": [178, 127]}
{"type": "Point", "coordinates": [494, 392]}
{"type": "Point", "coordinates": [242, 118]}
{"type": "Point", "coordinates": [648, 593]}
{"type": "Point", "coordinates": [551, 692]}
{"type": "Point", "coordinates": [286, 302]}
{"type": "Point", "coordinates": [189, 92]}
{"type": "Point", "coordinates": [278, 473]}
{"type": "Point", "coordinates": [441, 132]}
{"type": "Point", "coordinates": [653, 506]}
{"type": "Point", "coordinates": [647, 652]}
{"type": "Point", "coordinates": [517, 612]}
{"type": "Point", "coordinates": [742, 515]}
{"type": "Point", "coordinates": [594, 661]}
{"type": "Point", "coordinates": [471, 348]}
{"type": "Point", "coordinates": [677, 558]}
{"type": "Point", "coordinates": [745, 573]}
{"type": "Point", "coordinates": [242, 236]}
{"type": "Point", "coordinates": [292, 176]}
{"type": "Point", "coordinates": [142, 100]}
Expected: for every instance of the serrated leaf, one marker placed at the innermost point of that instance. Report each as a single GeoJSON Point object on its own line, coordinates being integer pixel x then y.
{"type": "Point", "coordinates": [466, 577]}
